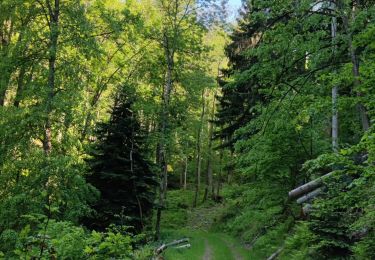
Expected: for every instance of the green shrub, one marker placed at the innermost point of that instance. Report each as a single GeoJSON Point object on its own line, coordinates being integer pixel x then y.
{"type": "Point", "coordinates": [64, 240]}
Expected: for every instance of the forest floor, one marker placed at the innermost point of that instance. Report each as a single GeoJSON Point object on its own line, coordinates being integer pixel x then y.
{"type": "Point", "coordinates": [205, 243]}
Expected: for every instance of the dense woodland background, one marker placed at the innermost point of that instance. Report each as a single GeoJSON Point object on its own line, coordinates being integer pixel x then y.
{"type": "Point", "coordinates": [125, 124]}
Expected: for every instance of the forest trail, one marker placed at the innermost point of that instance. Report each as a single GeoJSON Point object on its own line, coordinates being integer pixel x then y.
{"type": "Point", "coordinates": [205, 243]}
{"type": "Point", "coordinates": [207, 246]}
{"type": "Point", "coordinates": [207, 251]}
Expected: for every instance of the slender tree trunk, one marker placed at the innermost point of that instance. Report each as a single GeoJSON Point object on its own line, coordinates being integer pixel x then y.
{"type": "Point", "coordinates": [185, 172]}
{"type": "Point", "coordinates": [361, 108]}
{"type": "Point", "coordinates": [335, 122]}
{"type": "Point", "coordinates": [230, 170]}
{"type": "Point", "coordinates": [169, 56]}
{"type": "Point", "coordinates": [54, 13]}
{"type": "Point", "coordinates": [22, 69]}
{"type": "Point", "coordinates": [181, 179]}
{"type": "Point", "coordinates": [220, 171]}
{"type": "Point", "coordinates": [365, 121]}
{"type": "Point", "coordinates": [4, 82]}
{"type": "Point", "coordinates": [6, 32]}
{"type": "Point", "coordinates": [20, 86]}
{"type": "Point", "coordinates": [209, 156]}
{"type": "Point", "coordinates": [199, 155]}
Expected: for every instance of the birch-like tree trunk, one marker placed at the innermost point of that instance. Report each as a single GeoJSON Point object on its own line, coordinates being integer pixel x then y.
{"type": "Point", "coordinates": [209, 153]}
{"type": "Point", "coordinates": [198, 150]}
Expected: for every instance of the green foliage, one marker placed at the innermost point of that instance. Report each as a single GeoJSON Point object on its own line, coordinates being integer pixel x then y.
{"type": "Point", "coordinates": [108, 244]}
{"type": "Point", "coordinates": [253, 213]}
{"type": "Point", "coordinates": [64, 240]}
{"type": "Point", "coordinates": [340, 221]}
{"type": "Point", "coordinates": [275, 113]}
{"type": "Point", "coordinates": [120, 172]}
{"type": "Point", "coordinates": [178, 204]}
{"type": "Point", "coordinates": [64, 63]}
{"type": "Point", "coordinates": [299, 245]}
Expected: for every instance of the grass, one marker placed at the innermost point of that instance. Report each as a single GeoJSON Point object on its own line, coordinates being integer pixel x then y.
{"type": "Point", "coordinates": [196, 251]}
{"type": "Point", "coordinates": [221, 246]}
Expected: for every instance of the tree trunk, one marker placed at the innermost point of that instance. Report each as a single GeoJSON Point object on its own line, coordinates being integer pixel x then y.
{"type": "Point", "coordinates": [230, 170]}
{"type": "Point", "coordinates": [209, 155]}
{"type": "Point", "coordinates": [6, 33]}
{"type": "Point", "coordinates": [23, 68]}
{"type": "Point", "coordinates": [4, 82]}
{"type": "Point", "coordinates": [54, 13]}
{"type": "Point", "coordinates": [335, 122]}
{"type": "Point", "coordinates": [365, 121]}
{"type": "Point", "coordinates": [220, 171]}
{"type": "Point", "coordinates": [185, 172]}
{"type": "Point", "coordinates": [169, 56]}
{"type": "Point", "coordinates": [20, 86]}
{"type": "Point", "coordinates": [198, 149]}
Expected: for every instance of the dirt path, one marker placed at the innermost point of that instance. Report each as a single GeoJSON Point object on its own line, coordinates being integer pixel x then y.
{"type": "Point", "coordinates": [207, 244]}
{"type": "Point", "coordinates": [207, 251]}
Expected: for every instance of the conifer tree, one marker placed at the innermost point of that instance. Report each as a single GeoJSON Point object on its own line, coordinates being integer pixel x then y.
{"type": "Point", "coordinates": [120, 172]}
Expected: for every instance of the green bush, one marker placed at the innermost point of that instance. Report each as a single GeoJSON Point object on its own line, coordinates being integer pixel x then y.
{"type": "Point", "coordinates": [64, 240]}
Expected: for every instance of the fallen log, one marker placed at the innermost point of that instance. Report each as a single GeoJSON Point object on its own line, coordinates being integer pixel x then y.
{"type": "Point", "coordinates": [307, 209]}
{"type": "Point", "coordinates": [309, 196]}
{"type": "Point", "coordinates": [163, 247]}
{"type": "Point", "coordinates": [310, 186]}
{"type": "Point", "coordinates": [276, 254]}
{"type": "Point", "coordinates": [183, 246]}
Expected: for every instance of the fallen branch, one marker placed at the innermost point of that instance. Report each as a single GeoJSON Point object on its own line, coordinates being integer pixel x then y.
{"type": "Point", "coordinates": [163, 247]}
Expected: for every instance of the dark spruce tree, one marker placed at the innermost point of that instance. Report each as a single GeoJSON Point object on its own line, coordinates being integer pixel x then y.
{"type": "Point", "coordinates": [120, 172]}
